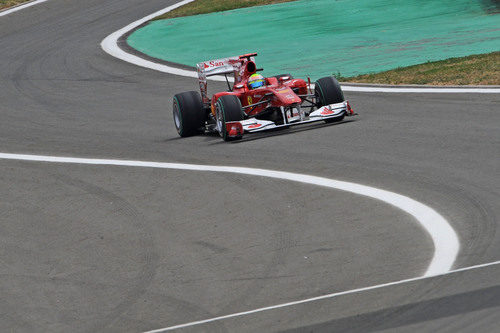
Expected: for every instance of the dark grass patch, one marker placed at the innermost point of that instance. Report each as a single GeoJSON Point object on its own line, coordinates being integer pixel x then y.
{"type": "Point", "coordinates": [482, 69]}
{"type": "Point", "coordinates": [9, 3]}
{"type": "Point", "coordinates": [210, 6]}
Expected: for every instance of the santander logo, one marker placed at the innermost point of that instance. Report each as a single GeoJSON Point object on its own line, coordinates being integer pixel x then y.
{"type": "Point", "coordinates": [255, 126]}
{"type": "Point", "coordinates": [213, 63]}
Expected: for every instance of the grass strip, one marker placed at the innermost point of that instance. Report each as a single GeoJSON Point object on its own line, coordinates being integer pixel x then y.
{"type": "Point", "coordinates": [481, 69]}
{"type": "Point", "coordinates": [210, 6]}
{"type": "Point", "coordinates": [9, 3]}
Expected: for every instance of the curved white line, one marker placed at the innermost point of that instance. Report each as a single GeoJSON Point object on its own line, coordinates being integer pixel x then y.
{"type": "Point", "coordinates": [19, 7]}
{"type": "Point", "coordinates": [446, 244]}
{"type": "Point", "coordinates": [110, 46]}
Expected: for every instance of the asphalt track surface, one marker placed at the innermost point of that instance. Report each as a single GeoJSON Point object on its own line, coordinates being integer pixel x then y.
{"type": "Point", "coordinates": [118, 249]}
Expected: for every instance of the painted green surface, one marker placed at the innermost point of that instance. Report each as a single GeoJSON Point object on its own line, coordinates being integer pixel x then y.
{"type": "Point", "coordinates": [321, 37]}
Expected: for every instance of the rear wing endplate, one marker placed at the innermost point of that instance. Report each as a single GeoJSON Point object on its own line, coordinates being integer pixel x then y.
{"type": "Point", "coordinates": [224, 66]}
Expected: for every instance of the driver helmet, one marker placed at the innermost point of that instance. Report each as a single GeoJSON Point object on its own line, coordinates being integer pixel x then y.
{"type": "Point", "coordinates": [255, 81]}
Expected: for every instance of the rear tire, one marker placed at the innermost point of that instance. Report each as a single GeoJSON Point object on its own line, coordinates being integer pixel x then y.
{"type": "Point", "coordinates": [228, 108]}
{"type": "Point", "coordinates": [189, 116]}
{"type": "Point", "coordinates": [327, 91]}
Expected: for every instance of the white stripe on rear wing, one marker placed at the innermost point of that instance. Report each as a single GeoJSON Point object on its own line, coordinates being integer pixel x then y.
{"type": "Point", "coordinates": [218, 66]}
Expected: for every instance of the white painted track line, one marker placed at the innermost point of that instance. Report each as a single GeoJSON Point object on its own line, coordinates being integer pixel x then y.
{"type": "Point", "coordinates": [312, 299]}
{"type": "Point", "coordinates": [446, 243]}
{"type": "Point", "coordinates": [110, 45]}
{"type": "Point", "coordinates": [23, 6]}
{"type": "Point", "coordinates": [420, 90]}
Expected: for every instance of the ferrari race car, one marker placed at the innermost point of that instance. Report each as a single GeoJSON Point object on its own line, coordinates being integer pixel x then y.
{"type": "Point", "coordinates": [254, 103]}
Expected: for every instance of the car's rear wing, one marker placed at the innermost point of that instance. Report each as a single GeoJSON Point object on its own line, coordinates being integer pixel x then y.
{"type": "Point", "coordinates": [224, 66]}
{"type": "Point", "coordinates": [218, 66]}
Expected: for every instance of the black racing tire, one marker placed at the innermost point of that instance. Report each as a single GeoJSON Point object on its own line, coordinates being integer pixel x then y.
{"type": "Point", "coordinates": [327, 91]}
{"type": "Point", "coordinates": [281, 75]}
{"type": "Point", "coordinates": [189, 116]}
{"type": "Point", "coordinates": [228, 108]}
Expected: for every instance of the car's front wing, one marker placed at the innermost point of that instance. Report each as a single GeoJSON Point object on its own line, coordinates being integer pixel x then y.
{"type": "Point", "coordinates": [328, 112]}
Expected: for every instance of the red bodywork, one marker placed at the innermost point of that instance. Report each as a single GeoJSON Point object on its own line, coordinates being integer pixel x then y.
{"type": "Point", "coordinates": [277, 92]}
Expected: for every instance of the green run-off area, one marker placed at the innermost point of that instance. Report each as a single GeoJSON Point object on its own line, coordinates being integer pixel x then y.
{"type": "Point", "coordinates": [321, 37]}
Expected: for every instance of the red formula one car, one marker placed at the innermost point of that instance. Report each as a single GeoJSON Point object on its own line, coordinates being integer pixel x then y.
{"type": "Point", "coordinates": [255, 103]}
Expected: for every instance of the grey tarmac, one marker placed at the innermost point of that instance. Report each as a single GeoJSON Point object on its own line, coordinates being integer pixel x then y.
{"type": "Point", "coordinates": [117, 249]}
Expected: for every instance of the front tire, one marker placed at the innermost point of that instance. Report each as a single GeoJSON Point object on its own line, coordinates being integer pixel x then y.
{"type": "Point", "coordinates": [327, 91]}
{"type": "Point", "coordinates": [228, 108]}
{"type": "Point", "coordinates": [189, 116]}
